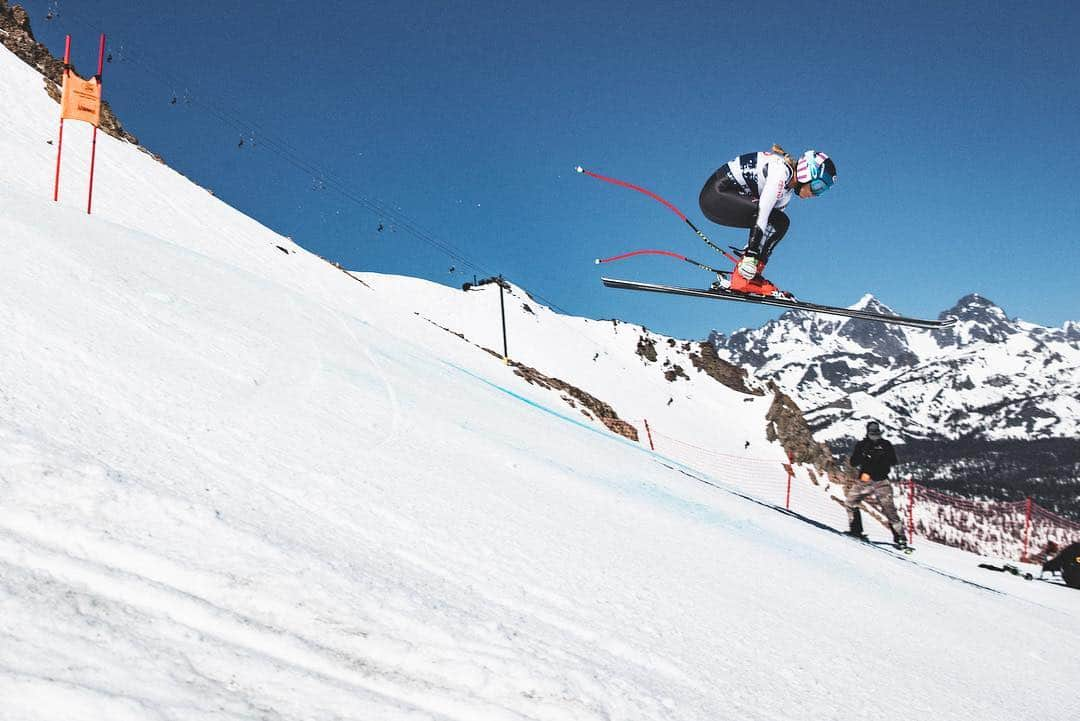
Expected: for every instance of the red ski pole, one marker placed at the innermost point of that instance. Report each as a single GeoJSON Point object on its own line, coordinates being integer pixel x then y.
{"type": "Point", "coordinates": [662, 252]}
{"type": "Point", "coordinates": [654, 196]}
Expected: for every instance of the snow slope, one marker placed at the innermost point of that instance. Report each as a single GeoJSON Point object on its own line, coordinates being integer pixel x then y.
{"type": "Point", "coordinates": [600, 357]}
{"type": "Point", "coordinates": [237, 483]}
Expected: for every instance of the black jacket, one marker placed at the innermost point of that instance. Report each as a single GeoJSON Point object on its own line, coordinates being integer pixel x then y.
{"type": "Point", "coordinates": [1067, 563]}
{"type": "Point", "coordinates": [874, 457]}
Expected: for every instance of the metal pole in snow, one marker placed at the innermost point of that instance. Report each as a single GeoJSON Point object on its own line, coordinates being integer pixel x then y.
{"type": "Point", "coordinates": [502, 312]}
{"type": "Point", "coordinates": [93, 146]}
{"type": "Point", "coordinates": [60, 142]}
{"type": "Point", "coordinates": [648, 432]}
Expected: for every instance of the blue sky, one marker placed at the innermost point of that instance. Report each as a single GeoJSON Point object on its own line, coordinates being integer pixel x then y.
{"type": "Point", "coordinates": [456, 127]}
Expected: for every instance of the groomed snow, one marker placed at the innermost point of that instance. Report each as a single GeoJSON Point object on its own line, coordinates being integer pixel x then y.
{"type": "Point", "coordinates": [238, 483]}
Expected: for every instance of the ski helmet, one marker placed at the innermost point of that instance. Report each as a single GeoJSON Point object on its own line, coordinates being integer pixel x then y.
{"type": "Point", "coordinates": [817, 170]}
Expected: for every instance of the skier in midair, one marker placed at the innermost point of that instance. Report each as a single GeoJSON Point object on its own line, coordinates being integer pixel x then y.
{"type": "Point", "coordinates": [873, 458]}
{"type": "Point", "coordinates": [752, 191]}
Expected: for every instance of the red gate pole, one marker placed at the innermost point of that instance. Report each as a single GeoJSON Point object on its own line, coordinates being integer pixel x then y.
{"type": "Point", "coordinates": [911, 509]}
{"type": "Point", "coordinates": [790, 467]}
{"type": "Point", "coordinates": [1004, 532]}
{"type": "Point", "coordinates": [60, 142]}
{"type": "Point", "coordinates": [1027, 529]}
{"type": "Point", "coordinates": [93, 146]}
{"type": "Point", "coordinates": [649, 434]}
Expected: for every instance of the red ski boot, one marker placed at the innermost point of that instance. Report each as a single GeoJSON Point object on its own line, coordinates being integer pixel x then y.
{"type": "Point", "coordinates": [757, 285]}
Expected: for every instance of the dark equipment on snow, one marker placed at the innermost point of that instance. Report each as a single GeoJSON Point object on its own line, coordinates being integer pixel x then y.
{"type": "Point", "coordinates": [1067, 563]}
{"type": "Point", "coordinates": [497, 279]}
{"type": "Point", "coordinates": [1007, 568]}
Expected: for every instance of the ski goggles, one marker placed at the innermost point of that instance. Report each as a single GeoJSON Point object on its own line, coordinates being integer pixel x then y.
{"type": "Point", "coordinates": [820, 185]}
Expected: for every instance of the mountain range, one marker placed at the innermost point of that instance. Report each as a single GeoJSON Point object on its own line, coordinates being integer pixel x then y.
{"type": "Point", "coordinates": [990, 393]}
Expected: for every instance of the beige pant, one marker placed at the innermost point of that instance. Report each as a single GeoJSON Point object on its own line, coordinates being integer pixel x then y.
{"type": "Point", "coordinates": [859, 491]}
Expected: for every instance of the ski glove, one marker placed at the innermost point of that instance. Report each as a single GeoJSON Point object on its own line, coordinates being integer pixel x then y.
{"type": "Point", "coordinates": [747, 267]}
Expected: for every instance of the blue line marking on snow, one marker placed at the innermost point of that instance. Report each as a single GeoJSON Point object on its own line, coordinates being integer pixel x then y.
{"type": "Point", "coordinates": [693, 472]}
{"type": "Point", "coordinates": [706, 513]}
{"type": "Point", "coordinates": [642, 487]}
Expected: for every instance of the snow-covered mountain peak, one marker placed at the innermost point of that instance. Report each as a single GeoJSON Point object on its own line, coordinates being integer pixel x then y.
{"type": "Point", "coordinates": [980, 320]}
{"type": "Point", "coordinates": [869, 302]}
{"type": "Point", "coordinates": [977, 308]}
{"type": "Point", "coordinates": [886, 341]}
{"type": "Point", "coordinates": [988, 375]}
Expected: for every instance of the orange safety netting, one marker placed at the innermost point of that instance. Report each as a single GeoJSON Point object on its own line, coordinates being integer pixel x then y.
{"type": "Point", "coordinates": [1020, 530]}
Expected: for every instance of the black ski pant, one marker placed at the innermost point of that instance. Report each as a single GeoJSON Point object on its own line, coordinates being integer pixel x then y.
{"type": "Point", "coordinates": [725, 202]}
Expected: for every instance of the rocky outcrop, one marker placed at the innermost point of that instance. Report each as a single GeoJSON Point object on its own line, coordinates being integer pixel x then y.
{"type": "Point", "coordinates": [675, 372]}
{"type": "Point", "coordinates": [591, 406]}
{"type": "Point", "coordinates": [16, 36]}
{"type": "Point", "coordinates": [720, 370]}
{"type": "Point", "coordinates": [646, 348]}
{"type": "Point", "coordinates": [787, 425]}
{"type": "Point", "coordinates": [595, 407]}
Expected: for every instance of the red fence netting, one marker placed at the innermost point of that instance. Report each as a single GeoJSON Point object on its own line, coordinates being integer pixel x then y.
{"type": "Point", "coordinates": [1020, 530]}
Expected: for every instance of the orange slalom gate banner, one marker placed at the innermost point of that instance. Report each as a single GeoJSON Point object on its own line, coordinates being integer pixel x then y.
{"type": "Point", "coordinates": [81, 99]}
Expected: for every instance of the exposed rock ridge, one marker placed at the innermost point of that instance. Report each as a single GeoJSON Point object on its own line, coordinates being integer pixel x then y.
{"type": "Point", "coordinates": [16, 36]}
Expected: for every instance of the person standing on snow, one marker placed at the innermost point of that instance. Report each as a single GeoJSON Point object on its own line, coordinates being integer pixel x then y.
{"type": "Point", "coordinates": [752, 191]}
{"type": "Point", "coordinates": [873, 458]}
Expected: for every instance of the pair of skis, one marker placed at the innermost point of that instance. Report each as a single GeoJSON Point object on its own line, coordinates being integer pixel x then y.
{"type": "Point", "coordinates": [901, 547]}
{"type": "Point", "coordinates": [790, 303]}
{"type": "Point", "coordinates": [718, 292]}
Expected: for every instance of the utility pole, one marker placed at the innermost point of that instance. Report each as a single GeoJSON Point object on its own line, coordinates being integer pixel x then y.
{"type": "Point", "coordinates": [502, 305]}
{"type": "Point", "coordinates": [502, 312]}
